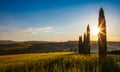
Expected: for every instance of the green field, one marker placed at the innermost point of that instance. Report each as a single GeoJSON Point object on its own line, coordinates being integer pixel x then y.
{"type": "Point", "coordinates": [58, 62]}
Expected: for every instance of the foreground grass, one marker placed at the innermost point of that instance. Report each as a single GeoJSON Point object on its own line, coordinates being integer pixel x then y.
{"type": "Point", "coordinates": [58, 62]}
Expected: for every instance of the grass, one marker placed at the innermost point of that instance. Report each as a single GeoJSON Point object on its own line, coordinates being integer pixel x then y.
{"type": "Point", "coordinates": [59, 62]}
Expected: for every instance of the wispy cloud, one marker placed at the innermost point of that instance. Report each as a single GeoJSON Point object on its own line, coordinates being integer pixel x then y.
{"type": "Point", "coordinates": [36, 30]}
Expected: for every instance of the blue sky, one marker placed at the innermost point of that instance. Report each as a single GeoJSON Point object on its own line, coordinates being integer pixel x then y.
{"type": "Point", "coordinates": [56, 20]}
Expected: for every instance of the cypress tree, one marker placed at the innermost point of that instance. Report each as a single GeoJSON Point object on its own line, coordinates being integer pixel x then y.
{"type": "Point", "coordinates": [80, 45]}
{"type": "Point", "coordinates": [102, 39]}
{"type": "Point", "coordinates": [84, 44]}
{"type": "Point", "coordinates": [88, 40]}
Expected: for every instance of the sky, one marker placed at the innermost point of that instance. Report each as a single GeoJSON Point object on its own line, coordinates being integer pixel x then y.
{"type": "Point", "coordinates": [56, 20]}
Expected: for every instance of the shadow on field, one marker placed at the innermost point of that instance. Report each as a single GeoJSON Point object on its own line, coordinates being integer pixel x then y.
{"type": "Point", "coordinates": [107, 64]}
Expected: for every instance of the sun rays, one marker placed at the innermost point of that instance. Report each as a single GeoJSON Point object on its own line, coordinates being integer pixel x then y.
{"type": "Point", "coordinates": [95, 30]}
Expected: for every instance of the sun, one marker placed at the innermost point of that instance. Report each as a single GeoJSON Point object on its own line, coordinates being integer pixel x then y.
{"type": "Point", "coordinates": [95, 31]}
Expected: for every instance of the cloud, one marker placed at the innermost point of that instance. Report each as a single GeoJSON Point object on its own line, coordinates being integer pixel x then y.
{"type": "Point", "coordinates": [37, 30]}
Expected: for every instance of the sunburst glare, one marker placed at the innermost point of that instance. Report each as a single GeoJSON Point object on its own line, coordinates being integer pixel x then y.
{"type": "Point", "coordinates": [95, 30]}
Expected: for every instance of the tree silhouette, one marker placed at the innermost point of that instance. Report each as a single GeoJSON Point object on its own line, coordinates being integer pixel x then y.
{"type": "Point", "coordinates": [84, 44]}
{"type": "Point", "coordinates": [80, 46]}
{"type": "Point", "coordinates": [84, 47]}
{"type": "Point", "coordinates": [88, 40]}
{"type": "Point", "coordinates": [102, 41]}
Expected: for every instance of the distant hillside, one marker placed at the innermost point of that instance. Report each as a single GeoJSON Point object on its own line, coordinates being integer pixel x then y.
{"type": "Point", "coordinates": [7, 42]}
{"type": "Point", "coordinates": [44, 47]}
{"type": "Point", "coordinates": [18, 48]}
{"type": "Point", "coordinates": [114, 52]}
{"type": "Point", "coordinates": [111, 46]}
{"type": "Point", "coordinates": [29, 42]}
{"type": "Point", "coordinates": [36, 42]}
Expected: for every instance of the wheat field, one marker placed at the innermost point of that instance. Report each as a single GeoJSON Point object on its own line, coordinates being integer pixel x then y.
{"type": "Point", "coordinates": [59, 62]}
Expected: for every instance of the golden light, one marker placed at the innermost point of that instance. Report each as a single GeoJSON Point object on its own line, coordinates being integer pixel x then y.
{"type": "Point", "coordinates": [95, 31]}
